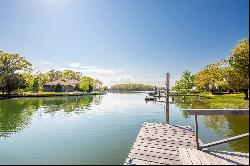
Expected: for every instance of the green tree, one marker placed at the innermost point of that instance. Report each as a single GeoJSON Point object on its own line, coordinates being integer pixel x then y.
{"type": "Point", "coordinates": [43, 77]}
{"type": "Point", "coordinates": [104, 88]}
{"type": "Point", "coordinates": [71, 75]}
{"type": "Point", "coordinates": [36, 86]}
{"type": "Point", "coordinates": [85, 83]}
{"type": "Point", "coordinates": [212, 77]}
{"type": "Point", "coordinates": [239, 63]}
{"type": "Point", "coordinates": [58, 88]}
{"type": "Point", "coordinates": [132, 87]}
{"type": "Point", "coordinates": [11, 67]}
{"type": "Point", "coordinates": [90, 88]}
{"type": "Point", "coordinates": [27, 81]}
{"type": "Point", "coordinates": [54, 75]}
{"type": "Point", "coordinates": [186, 81]}
{"type": "Point", "coordinates": [33, 82]}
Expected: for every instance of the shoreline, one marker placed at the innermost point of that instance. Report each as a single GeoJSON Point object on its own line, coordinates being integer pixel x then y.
{"type": "Point", "coordinates": [50, 95]}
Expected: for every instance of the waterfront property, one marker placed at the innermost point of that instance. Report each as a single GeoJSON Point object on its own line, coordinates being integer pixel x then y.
{"type": "Point", "coordinates": [64, 86]}
{"type": "Point", "coordinates": [97, 129]}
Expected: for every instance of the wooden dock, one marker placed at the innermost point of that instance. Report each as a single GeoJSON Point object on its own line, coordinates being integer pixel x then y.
{"type": "Point", "coordinates": [165, 144]}
{"type": "Point", "coordinates": [182, 95]}
{"type": "Point", "coordinates": [190, 156]}
{"type": "Point", "coordinates": [158, 144]}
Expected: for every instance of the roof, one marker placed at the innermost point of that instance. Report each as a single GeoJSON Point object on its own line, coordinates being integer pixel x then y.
{"type": "Point", "coordinates": [73, 82]}
{"type": "Point", "coordinates": [61, 82]}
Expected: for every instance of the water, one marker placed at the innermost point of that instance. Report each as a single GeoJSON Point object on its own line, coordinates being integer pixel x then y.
{"type": "Point", "coordinates": [94, 129]}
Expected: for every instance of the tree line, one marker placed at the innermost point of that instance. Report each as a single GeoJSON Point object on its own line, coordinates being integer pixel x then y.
{"type": "Point", "coordinates": [132, 87]}
{"type": "Point", "coordinates": [229, 74]}
{"type": "Point", "coordinates": [17, 74]}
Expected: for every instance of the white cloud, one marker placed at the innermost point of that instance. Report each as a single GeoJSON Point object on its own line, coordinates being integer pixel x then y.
{"type": "Point", "coordinates": [101, 71]}
{"type": "Point", "coordinates": [62, 69]}
{"type": "Point", "coordinates": [74, 64]}
{"type": "Point", "coordinates": [123, 79]}
{"type": "Point", "coordinates": [120, 70]}
{"type": "Point", "coordinates": [89, 67]}
{"type": "Point", "coordinates": [46, 63]}
{"type": "Point", "coordinates": [98, 70]}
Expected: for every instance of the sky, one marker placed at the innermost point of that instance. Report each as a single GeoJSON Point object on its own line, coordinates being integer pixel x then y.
{"type": "Point", "coordinates": [123, 41]}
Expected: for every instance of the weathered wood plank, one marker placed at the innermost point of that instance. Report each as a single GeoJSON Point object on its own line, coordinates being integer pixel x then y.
{"type": "Point", "coordinates": [225, 140]}
{"type": "Point", "coordinates": [159, 144]}
{"type": "Point", "coordinates": [217, 111]}
{"type": "Point", "coordinates": [196, 157]}
{"type": "Point", "coordinates": [227, 158]}
{"type": "Point", "coordinates": [190, 156]}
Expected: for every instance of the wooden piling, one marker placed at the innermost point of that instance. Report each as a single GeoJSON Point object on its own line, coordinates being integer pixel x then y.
{"type": "Point", "coordinates": [167, 97]}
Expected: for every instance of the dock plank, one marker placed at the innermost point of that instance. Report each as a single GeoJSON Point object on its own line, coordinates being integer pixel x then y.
{"type": "Point", "coordinates": [190, 156]}
{"type": "Point", "coordinates": [159, 144]}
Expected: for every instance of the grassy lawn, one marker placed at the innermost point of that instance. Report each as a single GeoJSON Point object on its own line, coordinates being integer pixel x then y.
{"type": "Point", "coordinates": [228, 101]}
{"type": "Point", "coordinates": [216, 101]}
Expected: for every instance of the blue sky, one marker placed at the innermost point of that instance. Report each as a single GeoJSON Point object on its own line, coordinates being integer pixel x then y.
{"type": "Point", "coordinates": [123, 40]}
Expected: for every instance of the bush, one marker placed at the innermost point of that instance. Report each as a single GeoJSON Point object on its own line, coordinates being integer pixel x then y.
{"type": "Point", "coordinates": [58, 88]}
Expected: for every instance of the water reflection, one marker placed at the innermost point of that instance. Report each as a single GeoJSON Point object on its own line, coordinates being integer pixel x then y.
{"type": "Point", "coordinates": [72, 104]}
{"type": "Point", "coordinates": [224, 125]}
{"type": "Point", "coordinates": [94, 129]}
{"type": "Point", "coordinates": [16, 114]}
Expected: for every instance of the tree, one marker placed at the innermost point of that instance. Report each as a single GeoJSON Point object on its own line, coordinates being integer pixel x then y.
{"type": "Point", "coordinates": [54, 75]}
{"type": "Point", "coordinates": [33, 82]}
{"type": "Point", "coordinates": [11, 67]}
{"type": "Point", "coordinates": [97, 84]}
{"type": "Point", "coordinates": [71, 75]}
{"type": "Point", "coordinates": [43, 77]}
{"type": "Point", "coordinates": [186, 82]}
{"type": "Point", "coordinates": [239, 63]}
{"type": "Point", "coordinates": [212, 77]}
{"type": "Point", "coordinates": [58, 88]}
{"type": "Point", "coordinates": [85, 83]}
{"type": "Point", "coordinates": [36, 84]}
{"type": "Point", "coordinates": [27, 81]}
{"type": "Point", "coordinates": [105, 88]}
{"type": "Point", "coordinates": [234, 80]}
{"type": "Point", "coordinates": [132, 87]}
{"type": "Point", "coordinates": [90, 88]}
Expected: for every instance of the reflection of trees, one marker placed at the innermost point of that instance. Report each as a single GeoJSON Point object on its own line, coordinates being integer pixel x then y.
{"type": "Point", "coordinates": [234, 125]}
{"type": "Point", "coordinates": [223, 125]}
{"type": "Point", "coordinates": [97, 100]}
{"type": "Point", "coordinates": [16, 114]}
{"type": "Point", "coordinates": [67, 104]}
{"type": "Point", "coordinates": [184, 104]}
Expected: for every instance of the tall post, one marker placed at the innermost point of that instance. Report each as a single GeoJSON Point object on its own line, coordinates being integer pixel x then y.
{"type": "Point", "coordinates": [196, 131]}
{"type": "Point", "coordinates": [167, 97]}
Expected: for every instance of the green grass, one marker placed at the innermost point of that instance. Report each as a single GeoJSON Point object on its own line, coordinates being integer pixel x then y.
{"type": "Point", "coordinates": [216, 101]}
{"type": "Point", "coordinates": [228, 101]}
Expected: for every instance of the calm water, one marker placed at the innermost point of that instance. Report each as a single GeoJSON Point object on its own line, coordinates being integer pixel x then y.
{"type": "Point", "coordinates": [94, 129]}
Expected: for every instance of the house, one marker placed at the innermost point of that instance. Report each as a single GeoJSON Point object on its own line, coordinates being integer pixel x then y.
{"type": "Point", "coordinates": [64, 86]}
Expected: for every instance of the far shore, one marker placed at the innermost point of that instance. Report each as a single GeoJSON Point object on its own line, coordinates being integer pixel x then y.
{"type": "Point", "coordinates": [61, 94]}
